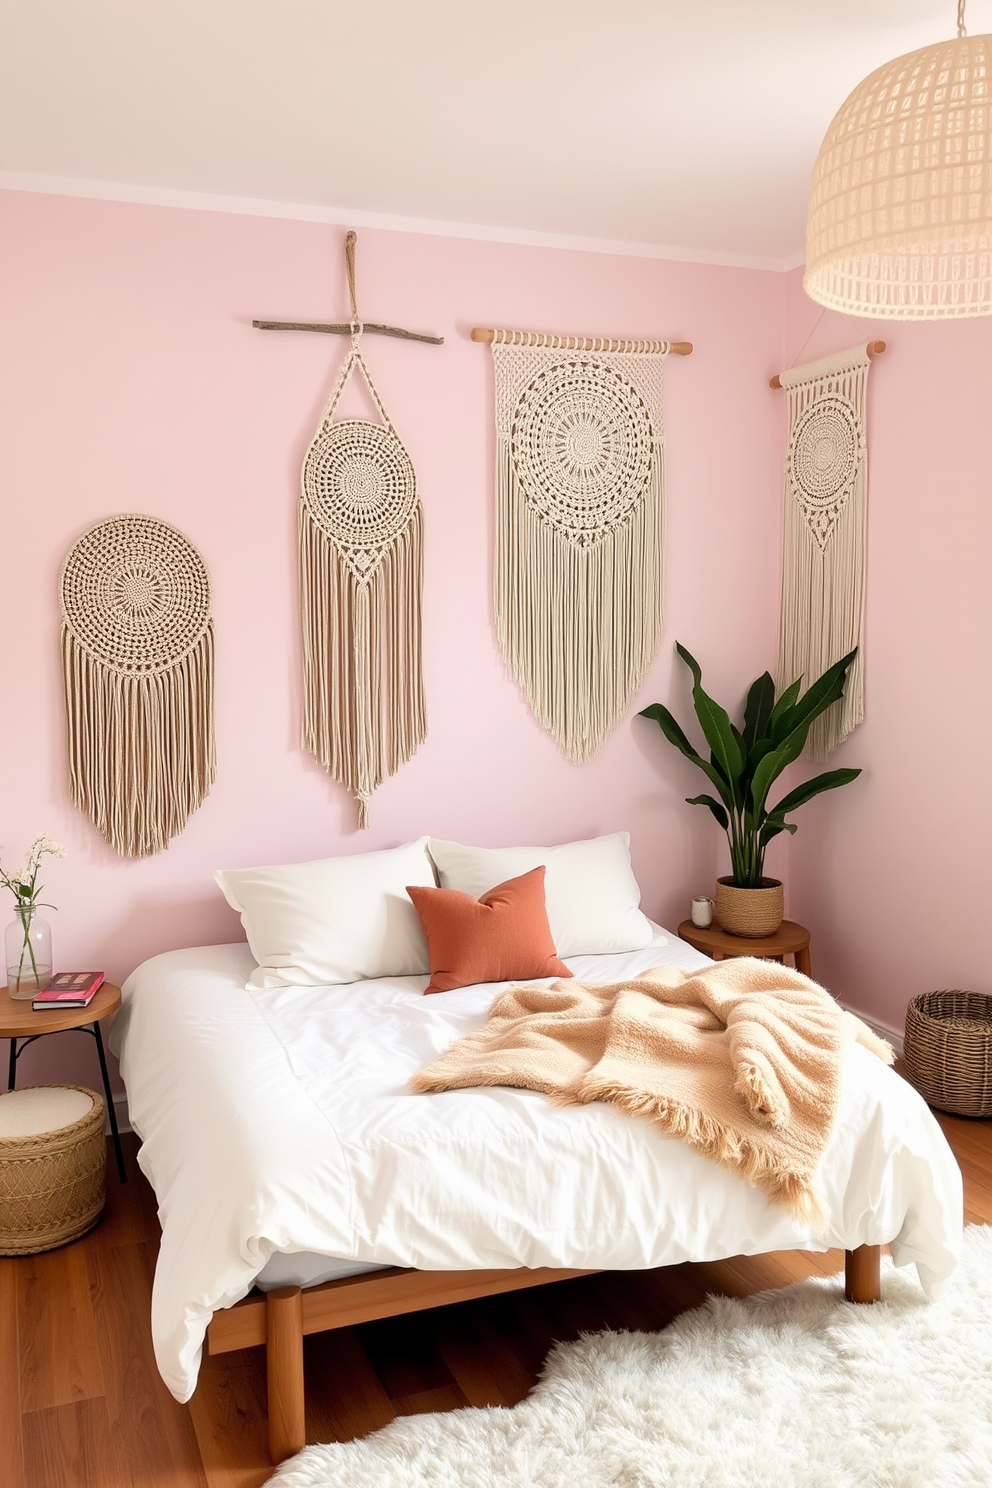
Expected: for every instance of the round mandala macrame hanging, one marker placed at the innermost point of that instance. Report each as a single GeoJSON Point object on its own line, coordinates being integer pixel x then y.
{"type": "Point", "coordinates": [825, 454]}
{"type": "Point", "coordinates": [361, 583]}
{"type": "Point", "coordinates": [359, 488]}
{"type": "Point", "coordinates": [138, 665]}
{"type": "Point", "coordinates": [583, 448]}
{"type": "Point", "coordinates": [579, 528]}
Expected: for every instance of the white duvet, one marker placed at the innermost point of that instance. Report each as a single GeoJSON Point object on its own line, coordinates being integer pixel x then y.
{"type": "Point", "coordinates": [281, 1120]}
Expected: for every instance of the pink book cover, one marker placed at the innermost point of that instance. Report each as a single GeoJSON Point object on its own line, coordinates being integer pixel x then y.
{"type": "Point", "coordinates": [73, 987]}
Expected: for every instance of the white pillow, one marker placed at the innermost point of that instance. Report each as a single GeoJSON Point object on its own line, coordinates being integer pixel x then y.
{"type": "Point", "coordinates": [590, 889]}
{"type": "Point", "coordinates": [336, 920]}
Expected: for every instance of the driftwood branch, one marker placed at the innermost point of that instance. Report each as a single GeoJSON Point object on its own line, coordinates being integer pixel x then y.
{"type": "Point", "coordinates": [346, 330]}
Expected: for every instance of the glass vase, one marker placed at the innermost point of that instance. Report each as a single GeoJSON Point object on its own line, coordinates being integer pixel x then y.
{"type": "Point", "coordinates": [27, 943]}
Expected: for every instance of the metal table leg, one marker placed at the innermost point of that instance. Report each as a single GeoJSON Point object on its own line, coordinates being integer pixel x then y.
{"type": "Point", "coordinates": [111, 1109]}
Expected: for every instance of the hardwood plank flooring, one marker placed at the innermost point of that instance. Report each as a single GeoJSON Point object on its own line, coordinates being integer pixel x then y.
{"type": "Point", "coordinates": [10, 1378]}
{"type": "Point", "coordinates": [82, 1405]}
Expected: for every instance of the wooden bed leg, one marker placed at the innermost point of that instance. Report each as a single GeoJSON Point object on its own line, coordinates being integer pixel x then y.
{"type": "Point", "coordinates": [863, 1274]}
{"type": "Point", "coordinates": [284, 1364]}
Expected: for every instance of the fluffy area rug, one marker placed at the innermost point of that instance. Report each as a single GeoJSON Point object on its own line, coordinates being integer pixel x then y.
{"type": "Point", "coordinates": [788, 1389]}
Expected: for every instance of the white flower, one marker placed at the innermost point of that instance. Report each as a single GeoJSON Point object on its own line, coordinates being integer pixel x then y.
{"type": "Point", "coordinates": [40, 847]}
{"type": "Point", "coordinates": [22, 877]}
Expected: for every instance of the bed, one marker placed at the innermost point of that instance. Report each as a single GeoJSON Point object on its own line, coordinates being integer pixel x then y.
{"type": "Point", "coordinates": [287, 1152]}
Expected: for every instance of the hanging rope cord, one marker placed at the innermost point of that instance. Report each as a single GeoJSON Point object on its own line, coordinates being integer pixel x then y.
{"type": "Point", "coordinates": [356, 324]}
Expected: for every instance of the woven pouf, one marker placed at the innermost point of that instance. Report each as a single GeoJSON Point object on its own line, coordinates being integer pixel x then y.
{"type": "Point", "coordinates": [949, 1050]}
{"type": "Point", "coordinates": [53, 1158]}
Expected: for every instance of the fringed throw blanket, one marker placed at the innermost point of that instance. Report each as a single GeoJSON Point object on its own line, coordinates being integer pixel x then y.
{"type": "Point", "coordinates": [138, 664]}
{"type": "Point", "coordinates": [742, 1060]}
{"type": "Point", "coordinates": [361, 588]}
{"type": "Point", "coordinates": [579, 526]}
{"type": "Point", "coordinates": [826, 510]}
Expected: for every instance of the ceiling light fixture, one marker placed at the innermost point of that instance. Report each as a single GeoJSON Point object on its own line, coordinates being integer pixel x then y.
{"type": "Point", "coordinates": [900, 213]}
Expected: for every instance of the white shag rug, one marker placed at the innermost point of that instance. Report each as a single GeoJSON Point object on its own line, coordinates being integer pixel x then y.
{"type": "Point", "coordinates": [787, 1389]}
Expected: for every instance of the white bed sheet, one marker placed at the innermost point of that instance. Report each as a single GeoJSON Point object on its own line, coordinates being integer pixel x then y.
{"type": "Point", "coordinates": [280, 1120]}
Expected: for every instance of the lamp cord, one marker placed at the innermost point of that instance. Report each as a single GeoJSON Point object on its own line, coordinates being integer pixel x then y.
{"type": "Point", "coordinates": [961, 28]}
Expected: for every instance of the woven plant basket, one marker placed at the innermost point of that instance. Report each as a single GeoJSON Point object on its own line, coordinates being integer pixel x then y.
{"type": "Point", "coordinates": [753, 913]}
{"type": "Point", "coordinates": [949, 1050]}
{"type": "Point", "coordinates": [52, 1183]}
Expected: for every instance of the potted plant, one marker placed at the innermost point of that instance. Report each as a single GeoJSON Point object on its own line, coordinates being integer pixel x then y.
{"type": "Point", "coordinates": [743, 765]}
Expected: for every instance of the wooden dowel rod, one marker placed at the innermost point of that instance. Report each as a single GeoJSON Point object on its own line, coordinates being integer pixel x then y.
{"type": "Point", "coordinates": [284, 1361]}
{"type": "Point", "coordinates": [875, 348]}
{"type": "Point", "coordinates": [583, 343]}
{"type": "Point", "coordinates": [346, 330]}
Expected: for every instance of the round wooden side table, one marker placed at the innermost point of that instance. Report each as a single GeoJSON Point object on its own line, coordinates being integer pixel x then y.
{"type": "Point", "coordinates": [19, 1021]}
{"type": "Point", "coordinates": [789, 939]}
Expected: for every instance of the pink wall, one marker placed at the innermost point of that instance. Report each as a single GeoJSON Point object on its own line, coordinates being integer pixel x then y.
{"type": "Point", "coordinates": [132, 381]}
{"type": "Point", "coordinates": [890, 872]}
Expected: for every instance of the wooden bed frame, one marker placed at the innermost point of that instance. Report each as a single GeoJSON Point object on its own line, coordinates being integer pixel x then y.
{"type": "Point", "coordinates": [280, 1318]}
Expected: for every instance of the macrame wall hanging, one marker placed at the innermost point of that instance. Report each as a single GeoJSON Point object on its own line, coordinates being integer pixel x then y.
{"type": "Point", "coordinates": [361, 585]}
{"type": "Point", "coordinates": [579, 525]}
{"type": "Point", "coordinates": [138, 662]}
{"type": "Point", "coordinates": [826, 508]}
{"type": "Point", "coordinates": [361, 580]}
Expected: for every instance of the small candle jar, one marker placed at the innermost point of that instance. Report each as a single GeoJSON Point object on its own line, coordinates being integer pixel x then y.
{"type": "Point", "coordinates": [702, 912]}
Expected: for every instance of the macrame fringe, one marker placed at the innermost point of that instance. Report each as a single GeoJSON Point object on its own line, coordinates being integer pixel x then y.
{"type": "Point", "coordinates": [142, 753]}
{"type": "Point", "coordinates": [578, 626]}
{"type": "Point", "coordinates": [822, 615]}
{"type": "Point", "coordinates": [364, 710]}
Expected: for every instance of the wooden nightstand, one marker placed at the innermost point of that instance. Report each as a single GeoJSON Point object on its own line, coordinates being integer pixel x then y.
{"type": "Point", "coordinates": [18, 1020]}
{"type": "Point", "coordinates": [789, 939]}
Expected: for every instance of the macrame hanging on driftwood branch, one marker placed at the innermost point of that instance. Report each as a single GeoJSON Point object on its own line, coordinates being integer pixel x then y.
{"type": "Point", "coordinates": [826, 510]}
{"type": "Point", "coordinates": [361, 586]}
{"type": "Point", "coordinates": [138, 665]}
{"type": "Point", "coordinates": [579, 526]}
{"type": "Point", "coordinates": [361, 579]}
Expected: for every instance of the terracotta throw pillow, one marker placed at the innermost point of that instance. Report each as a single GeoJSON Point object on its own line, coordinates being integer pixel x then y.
{"type": "Point", "coordinates": [502, 937]}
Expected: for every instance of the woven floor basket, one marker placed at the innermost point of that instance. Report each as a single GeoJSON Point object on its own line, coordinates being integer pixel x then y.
{"type": "Point", "coordinates": [52, 1183]}
{"type": "Point", "coordinates": [949, 1050]}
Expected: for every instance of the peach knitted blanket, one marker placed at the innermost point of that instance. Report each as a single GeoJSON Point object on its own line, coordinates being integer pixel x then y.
{"type": "Point", "coordinates": [741, 1059]}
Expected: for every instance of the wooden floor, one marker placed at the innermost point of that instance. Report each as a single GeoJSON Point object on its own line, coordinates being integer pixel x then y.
{"type": "Point", "coordinates": [82, 1406]}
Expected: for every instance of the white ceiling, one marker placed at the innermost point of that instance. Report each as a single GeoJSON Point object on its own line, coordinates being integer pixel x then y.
{"type": "Point", "coordinates": [680, 126]}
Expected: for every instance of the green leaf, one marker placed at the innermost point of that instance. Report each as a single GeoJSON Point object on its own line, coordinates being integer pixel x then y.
{"type": "Point", "coordinates": [717, 728]}
{"type": "Point", "coordinates": [714, 806]}
{"type": "Point", "coordinates": [774, 824]}
{"type": "Point", "coordinates": [829, 780]}
{"type": "Point", "coordinates": [671, 729]}
{"type": "Point", "coordinates": [771, 767]}
{"type": "Point", "coordinates": [785, 702]}
{"type": "Point", "coordinates": [757, 709]}
{"type": "Point", "coordinates": [674, 734]}
{"type": "Point", "coordinates": [757, 752]}
{"type": "Point", "coordinates": [824, 691]}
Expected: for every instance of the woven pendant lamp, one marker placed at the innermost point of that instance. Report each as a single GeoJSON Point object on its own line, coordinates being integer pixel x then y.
{"type": "Point", "coordinates": [900, 215]}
